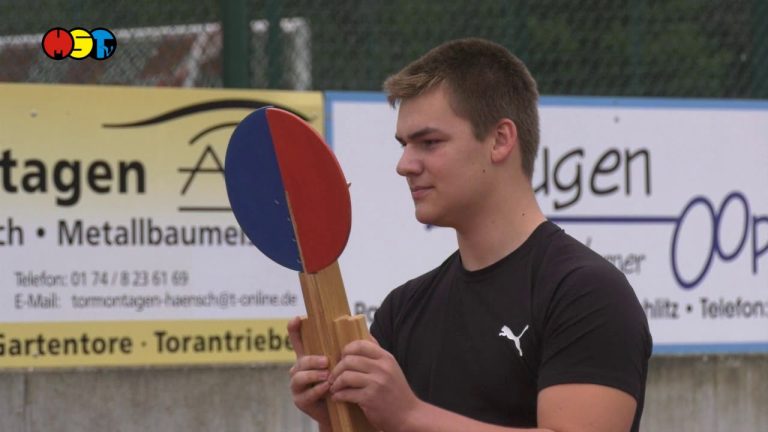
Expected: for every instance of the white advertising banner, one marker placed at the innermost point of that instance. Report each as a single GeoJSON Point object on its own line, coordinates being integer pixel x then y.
{"type": "Point", "coordinates": [672, 192]}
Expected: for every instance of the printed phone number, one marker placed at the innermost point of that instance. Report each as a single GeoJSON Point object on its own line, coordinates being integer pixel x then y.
{"type": "Point", "coordinates": [129, 278]}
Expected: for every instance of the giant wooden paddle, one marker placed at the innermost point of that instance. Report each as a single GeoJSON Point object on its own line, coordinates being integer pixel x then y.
{"type": "Point", "coordinates": [291, 199]}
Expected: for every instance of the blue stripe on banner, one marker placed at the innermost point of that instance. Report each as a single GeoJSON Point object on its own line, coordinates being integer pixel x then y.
{"type": "Point", "coordinates": [652, 103]}
{"type": "Point", "coordinates": [724, 348]}
{"type": "Point", "coordinates": [614, 219]}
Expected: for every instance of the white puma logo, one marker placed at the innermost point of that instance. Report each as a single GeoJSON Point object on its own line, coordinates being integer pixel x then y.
{"type": "Point", "coordinates": [505, 331]}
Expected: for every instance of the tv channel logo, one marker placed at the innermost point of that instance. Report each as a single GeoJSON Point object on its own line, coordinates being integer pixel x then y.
{"type": "Point", "coordinates": [79, 43]}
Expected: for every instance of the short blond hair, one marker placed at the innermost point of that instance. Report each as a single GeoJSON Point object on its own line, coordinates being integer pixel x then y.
{"type": "Point", "coordinates": [485, 82]}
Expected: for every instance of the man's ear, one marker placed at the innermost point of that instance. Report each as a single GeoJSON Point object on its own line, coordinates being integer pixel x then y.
{"type": "Point", "coordinates": [505, 140]}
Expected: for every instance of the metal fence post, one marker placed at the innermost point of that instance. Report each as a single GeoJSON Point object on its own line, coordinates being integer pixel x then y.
{"type": "Point", "coordinates": [759, 60]}
{"type": "Point", "coordinates": [235, 43]}
{"type": "Point", "coordinates": [274, 44]}
{"type": "Point", "coordinates": [637, 39]}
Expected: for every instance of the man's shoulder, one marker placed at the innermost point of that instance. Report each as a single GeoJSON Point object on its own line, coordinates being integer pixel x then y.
{"type": "Point", "coordinates": [410, 296]}
{"type": "Point", "coordinates": [566, 266]}
{"type": "Point", "coordinates": [564, 255]}
{"type": "Point", "coordinates": [423, 282]}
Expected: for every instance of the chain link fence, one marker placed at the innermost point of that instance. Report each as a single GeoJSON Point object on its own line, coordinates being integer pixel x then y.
{"type": "Point", "coordinates": [663, 48]}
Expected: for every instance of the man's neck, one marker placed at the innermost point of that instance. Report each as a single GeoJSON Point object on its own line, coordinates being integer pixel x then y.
{"type": "Point", "coordinates": [495, 232]}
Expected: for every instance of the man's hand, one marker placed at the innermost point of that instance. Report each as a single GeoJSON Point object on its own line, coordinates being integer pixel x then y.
{"type": "Point", "coordinates": [309, 379]}
{"type": "Point", "coordinates": [369, 376]}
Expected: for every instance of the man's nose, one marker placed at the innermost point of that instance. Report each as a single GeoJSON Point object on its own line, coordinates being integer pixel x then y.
{"type": "Point", "coordinates": [409, 164]}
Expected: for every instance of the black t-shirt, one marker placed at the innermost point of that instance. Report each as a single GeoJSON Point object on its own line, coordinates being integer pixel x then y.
{"type": "Point", "coordinates": [484, 343]}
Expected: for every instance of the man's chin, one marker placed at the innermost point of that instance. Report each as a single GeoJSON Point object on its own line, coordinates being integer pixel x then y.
{"type": "Point", "coordinates": [427, 218]}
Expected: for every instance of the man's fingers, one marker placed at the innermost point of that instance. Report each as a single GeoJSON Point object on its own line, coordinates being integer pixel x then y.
{"type": "Point", "coordinates": [365, 348]}
{"type": "Point", "coordinates": [312, 394]}
{"type": "Point", "coordinates": [294, 334]}
{"type": "Point", "coordinates": [361, 356]}
{"type": "Point", "coordinates": [318, 391]}
{"type": "Point", "coordinates": [350, 380]}
{"type": "Point", "coordinates": [309, 364]}
{"type": "Point", "coordinates": [353, 363]}
{"type": "Point", "coordinates": [351, 395]}
{"type": "Point", "coordinates": [303, 379]}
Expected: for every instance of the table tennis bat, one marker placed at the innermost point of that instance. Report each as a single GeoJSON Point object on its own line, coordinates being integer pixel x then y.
{"type": "Point", "coordinates": [290, 197]}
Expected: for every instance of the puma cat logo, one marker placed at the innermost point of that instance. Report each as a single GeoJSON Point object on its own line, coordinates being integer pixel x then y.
{"type": "Point", "coordinates": [506, 332]}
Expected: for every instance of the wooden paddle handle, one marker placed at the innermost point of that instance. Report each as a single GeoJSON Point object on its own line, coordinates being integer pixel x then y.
{"type": "Point", "coordinates": [326, 330]}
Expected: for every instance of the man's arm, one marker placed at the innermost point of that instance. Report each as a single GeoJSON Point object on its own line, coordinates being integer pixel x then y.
{"type": "Point", "coordinates": [370, 377]}
{"type": "Point", "coordinates": [562, 408]}
{"type": "Point", "coordinates": [585, 407]}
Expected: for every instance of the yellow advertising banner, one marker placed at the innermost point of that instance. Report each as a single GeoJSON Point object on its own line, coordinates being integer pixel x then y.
{"type": "Point", "coordinates": [141, 343]}
{"type": "Point", "coordinates": [116, 236]}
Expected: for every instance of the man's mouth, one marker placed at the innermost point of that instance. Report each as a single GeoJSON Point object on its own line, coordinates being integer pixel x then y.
{"type": "Point", "coordinates": [418, 192]}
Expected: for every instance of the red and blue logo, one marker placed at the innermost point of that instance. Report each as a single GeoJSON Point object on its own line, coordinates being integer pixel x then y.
{"type": "Point", "coordinates": [79, 43]}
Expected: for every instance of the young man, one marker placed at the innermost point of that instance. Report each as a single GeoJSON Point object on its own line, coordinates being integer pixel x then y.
{"type": "Point", "coordinates": [523, 328]}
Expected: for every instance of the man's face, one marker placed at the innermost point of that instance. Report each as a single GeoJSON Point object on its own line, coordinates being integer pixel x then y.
{"type": "Point", "coordinates": [444, 164]}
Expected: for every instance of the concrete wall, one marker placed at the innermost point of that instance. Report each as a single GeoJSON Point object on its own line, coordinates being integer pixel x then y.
{"type": "Point", "coordinates": [190, 399]}
{"type": "Point", "coordinates": [713, 393]}
{"type": "Point", "coordinates": [702, 394]}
